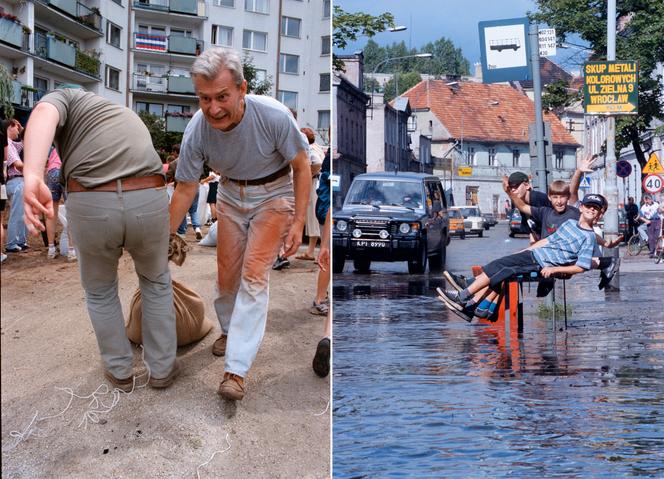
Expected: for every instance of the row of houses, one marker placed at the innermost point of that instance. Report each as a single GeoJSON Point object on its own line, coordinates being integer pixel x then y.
{"type": "Point", "coordinates": [468, 133]}
{"type": "Point", "coordinates": [139, 52]}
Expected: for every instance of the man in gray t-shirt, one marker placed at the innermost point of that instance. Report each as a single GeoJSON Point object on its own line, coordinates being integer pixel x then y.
{"type": "Point", "coordinates": [253, 142]}
{"type": "Point", "coordinates": [116, 201]}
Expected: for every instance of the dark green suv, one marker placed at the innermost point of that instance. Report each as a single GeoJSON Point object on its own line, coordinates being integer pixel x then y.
{"type": "Point", "coordinates": [392, 217]}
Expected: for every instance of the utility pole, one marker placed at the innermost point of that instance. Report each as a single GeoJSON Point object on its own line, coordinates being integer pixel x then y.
{"type": "Point", "coordinates": [610, 178]}
{"type": "Point", "coordinates": [540, 170]}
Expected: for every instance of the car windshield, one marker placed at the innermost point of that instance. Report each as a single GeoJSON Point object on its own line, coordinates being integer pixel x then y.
{"type": "Point", "coordinates": [469, 212]}
{"type": "Point", "coordinates": [385, 192]}
{"type": "Point", "coordinates": [454, 214]}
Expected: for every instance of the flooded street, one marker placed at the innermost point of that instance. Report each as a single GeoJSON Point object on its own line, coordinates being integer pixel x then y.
{"type": "Point", "coordinates": [419, 392]}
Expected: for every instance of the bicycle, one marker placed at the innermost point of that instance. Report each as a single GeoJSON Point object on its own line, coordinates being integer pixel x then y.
{"type": "Point", "coordinates": [636, 244]}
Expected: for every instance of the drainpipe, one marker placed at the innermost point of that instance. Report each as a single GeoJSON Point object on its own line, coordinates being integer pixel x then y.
{"type": "Point", "coordinates": [276, 83]}
{"type": "Point", "coordinates": [129, 54]}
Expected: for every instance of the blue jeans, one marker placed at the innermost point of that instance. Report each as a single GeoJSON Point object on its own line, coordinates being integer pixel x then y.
{"type": "Point", "coordinates": [252, 224]}
{"type": "Point", "coordinates": [193, 210]}
{"type": "Point", "coordinates": [16, 231]}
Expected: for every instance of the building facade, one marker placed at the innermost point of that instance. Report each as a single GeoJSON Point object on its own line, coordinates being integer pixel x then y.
{"type": "Point", "coordinates": [139, 52]}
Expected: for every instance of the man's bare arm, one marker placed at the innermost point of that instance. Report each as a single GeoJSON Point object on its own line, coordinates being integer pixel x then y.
{"type": "Point", "coordinates": [183, 196]}
{"type": "Point", "coordinates": [302, 187]}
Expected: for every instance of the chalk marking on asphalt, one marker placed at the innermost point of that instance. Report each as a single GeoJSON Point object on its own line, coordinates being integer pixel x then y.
{"type": "Point", "coordinates": [198, 475]}
{"type": "Point", "coordinates": [326, 408]}
{"type": "Point", "coordinates": [96, 406]}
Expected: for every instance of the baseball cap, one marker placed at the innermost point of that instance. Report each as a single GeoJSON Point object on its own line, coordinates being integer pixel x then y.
{"type": "Point", "coordinates": [593, 199]}
{"type": "Point", "coordinates": [517, 178]}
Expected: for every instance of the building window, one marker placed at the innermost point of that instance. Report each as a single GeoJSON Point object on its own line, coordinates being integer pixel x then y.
{"type": "Point", "coordinates": [257, 6]}
{"type": "Point", "coordinates": [559, 160]}
{"type": "Point", "coordinates": [180, 32]}
{"type": "Point", "coordinates": [515, 157]}
{"type": "Point", "coordinates": [327, 8]}
{"type": "Point", "coordinates": [112, 78]}
{"type": "Point", "coordinates": [324, 84]}
{"type": "Point", "coordinates": [156, 109]}
{"type": "Point", "coordinates": [178, 108]}
{"type": "Point", "coordinates": [323, 119]}
{"type": "Point", "coordinates": [113, 34]}
{"type": "Point", "coordinates": [225, 3]}
{"type": "Point", "coordinates": [470, 156]}
{"type": "Point", "coordinates": [492, 156]}
{"type": "Point", "coordinates": [325, 45]}
{"type": "Point", "coordinates": [288, 98]}
{"type": "Point", "coordinates": [119, 2]}
{"type": "Point", "coordinates": [288, 63]}
{"type": "Point", "coordinates": [252, 40]}
{"type": "Point", "coordinates": [290, 27]}
{"type": "Point", "coordinates": [222, 35]}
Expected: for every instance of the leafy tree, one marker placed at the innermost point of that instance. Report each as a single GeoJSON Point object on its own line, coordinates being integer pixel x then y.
{"type": "Point", "coordinates": [371, 84]}
{"type": "Point", "coordinates": [162, 140]}
{"type": "Point", "coordinates": [6, 90]}
{"type": "Point", "coordinates": [258, 87]}
{"type": "Point", "coordinates": [405, 80]}
{"type": "Point", "coordinates": [641, 38]}
{"type": "Point", "coordinates": [558, 96]}
{"type": "Point", "coordinates": [349, 26]}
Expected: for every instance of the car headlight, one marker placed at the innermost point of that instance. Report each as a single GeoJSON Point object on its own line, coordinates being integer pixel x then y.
{"type": "Point", "coordinates": [342, 225]}
{"type": "Point", "coordinates": [383, 234]}
{"type": "Point", "coordinates": [357, 232]}
{"type": "Point", "coordinates": [404, 228]}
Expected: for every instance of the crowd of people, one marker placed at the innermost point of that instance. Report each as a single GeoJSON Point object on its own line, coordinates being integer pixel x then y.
{"type": "Point", "coordinates": [260, 164]}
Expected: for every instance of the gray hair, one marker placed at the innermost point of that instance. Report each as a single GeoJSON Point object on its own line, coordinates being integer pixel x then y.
{"type": "Point", "coordinates": [214, 60]}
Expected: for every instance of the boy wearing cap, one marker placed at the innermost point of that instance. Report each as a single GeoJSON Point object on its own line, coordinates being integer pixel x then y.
{"type": "Point", "coordinates": [518, 186]}
{"type": "Point", "coordinates": [568, 250]}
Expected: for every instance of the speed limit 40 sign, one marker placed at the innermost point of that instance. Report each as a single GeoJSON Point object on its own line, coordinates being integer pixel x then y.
{"type": "Point", "coordinates": [653, 184]}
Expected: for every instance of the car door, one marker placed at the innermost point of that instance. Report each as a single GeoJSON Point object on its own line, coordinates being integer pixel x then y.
{"type": "Point", "coordinates": [435, 215]}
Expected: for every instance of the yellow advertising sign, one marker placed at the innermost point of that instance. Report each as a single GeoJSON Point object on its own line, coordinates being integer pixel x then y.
{"type": "Point", "coordinates": [465, 171]}
{"type": "Point", "coordinates": [611, 87]}
{"type": "Point", "coordinates": [653, 166]}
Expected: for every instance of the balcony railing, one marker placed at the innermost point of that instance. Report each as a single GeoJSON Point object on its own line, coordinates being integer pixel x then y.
{"type": "Point", "coordinates": [89, 17]}
{"type": "Point", "coordinates": [168, 44]}
{"type": "Point", "coordinates": [163, 84]}
{"type": "Point", "coordinates": [11, 32]}
{"type": "Point", "coordinates": [187, 7]}
{"type": "Point", "coordinates": [52, 48]}
{"type": "Point", "coordinates": [22, 94]}
{"type": "Point", "coordinates": [177, 123]}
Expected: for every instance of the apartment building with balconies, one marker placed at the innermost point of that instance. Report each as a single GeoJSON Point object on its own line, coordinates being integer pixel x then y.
{"type": "Point", "coordinates": [139, 52]}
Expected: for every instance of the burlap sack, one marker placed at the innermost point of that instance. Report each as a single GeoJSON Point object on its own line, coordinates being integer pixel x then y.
{"type": "Point", "coordinates": [190, 321]}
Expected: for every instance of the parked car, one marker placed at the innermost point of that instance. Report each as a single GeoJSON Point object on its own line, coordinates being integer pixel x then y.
{"type": "Point", "coordinates": [516, 228]}
{"type": "Point", "coordinates": [392, 217]}
{"type": "Point", "coordinates": [489, 220]}
{"type": "Point", "coordinates": [622, 225]}
{"type": "Point", "coordinates": [473, 220]}
{"type": "Point", "coordinates": [456, 223]}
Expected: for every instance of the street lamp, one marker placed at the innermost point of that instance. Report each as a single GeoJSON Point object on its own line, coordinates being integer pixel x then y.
{"type": "Point", "coordinates": [398, 28]}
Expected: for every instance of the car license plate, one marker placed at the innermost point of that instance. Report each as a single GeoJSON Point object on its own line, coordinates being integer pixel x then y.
{"type": "Point", "coordinates": [370, 244]}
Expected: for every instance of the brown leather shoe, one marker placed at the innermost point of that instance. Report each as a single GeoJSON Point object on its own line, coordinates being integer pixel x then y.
{"type": "Point", "coordinates": [219, 346]}
{"type": "Point", "coordinates": [232, 387]}
{"type": "Point", "coordinates": [125, 385]}
{"type": "Point", "coordinates": [161, 383]}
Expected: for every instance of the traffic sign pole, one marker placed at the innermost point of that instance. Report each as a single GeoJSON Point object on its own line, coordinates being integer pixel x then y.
{"type": "Point", "coordinates": [540, 172]}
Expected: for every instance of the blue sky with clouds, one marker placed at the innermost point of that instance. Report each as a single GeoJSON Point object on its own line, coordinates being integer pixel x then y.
{"type": "Point", "coordinates": [456, 20]}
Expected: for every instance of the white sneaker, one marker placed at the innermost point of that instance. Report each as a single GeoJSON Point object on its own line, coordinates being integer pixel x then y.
{"type": "Point", "coordinates": [52, 253]}
{"type": "Point", "coordinates": [71, 255]}
{"type": "Point", "coordinates": [199, 235]}
{"type": "Point", "coordinates": [3, 257]}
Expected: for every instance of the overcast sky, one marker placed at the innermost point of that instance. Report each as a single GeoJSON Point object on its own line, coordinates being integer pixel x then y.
{"type": "Point", "coordinates": [456, 20]}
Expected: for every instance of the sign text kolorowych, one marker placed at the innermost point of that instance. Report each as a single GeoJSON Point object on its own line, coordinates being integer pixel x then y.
{"type": "Point", "coordinates": [611, 87]}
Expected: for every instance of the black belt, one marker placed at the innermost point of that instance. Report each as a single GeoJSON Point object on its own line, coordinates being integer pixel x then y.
{"type": "Point", "coordinates": [261, 181]}
{"type": "Point", "coordinates": [15, 176]}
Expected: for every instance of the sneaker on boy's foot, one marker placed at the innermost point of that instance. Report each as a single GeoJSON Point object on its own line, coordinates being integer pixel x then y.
{"type": "Point", "coordinates": [13, 249]}
{"type": "Point", "coordinates": [319, 309]}
{"type": "Point", "coordinates": [467, 313]}
{"type": "Point", "coordinates": [52, 253]}
{"type": "Point", "coordinates": [71, 255]}
{"type": "Point", "coordinates": [452, 298]}
{"type": "Point", "coordinates": [3, 257]}
{"type": "Point", "coordinates": [458, 282]}
{"type": "Point", "coordinates": [281, 263]}
{"type": "Point", "coordinates": [199, 235]}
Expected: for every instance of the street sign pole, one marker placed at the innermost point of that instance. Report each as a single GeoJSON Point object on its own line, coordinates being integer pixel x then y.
{"type": "Point", "coordinates": [540, 171]}
{"type": "Point", "coordinates": [611, 179]}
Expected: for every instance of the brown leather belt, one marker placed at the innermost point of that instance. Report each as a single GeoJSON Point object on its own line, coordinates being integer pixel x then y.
{"type": "Point", "coordinates": [261, 181]}
{"type": "Point", "coordinates": [126, 184]}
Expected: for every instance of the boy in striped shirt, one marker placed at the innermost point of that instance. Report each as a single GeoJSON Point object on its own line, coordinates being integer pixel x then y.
{"type": "Point", "coordinates": [569, 250]}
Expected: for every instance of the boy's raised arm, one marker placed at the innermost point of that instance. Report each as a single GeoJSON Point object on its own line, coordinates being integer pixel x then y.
{"type": "Point", "coordinates": [584, 166]}
{"type": "Point", "coordinates": [520, 204]}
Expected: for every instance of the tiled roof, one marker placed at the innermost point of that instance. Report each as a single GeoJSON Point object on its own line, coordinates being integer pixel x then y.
{"type": "Point", "coordinates": [482, 112]}
{"type": "Point", "coordinates": [549, 73]}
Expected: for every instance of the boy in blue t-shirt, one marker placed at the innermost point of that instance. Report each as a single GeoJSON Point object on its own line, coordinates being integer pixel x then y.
{"type": "Point", "coordinates": [569, 250]}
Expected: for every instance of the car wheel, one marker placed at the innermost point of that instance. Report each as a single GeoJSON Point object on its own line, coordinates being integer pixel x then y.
{"type": "Point", "coordinates": [486, 227]}
{"type": "Point", "coordinates": [463, 235]}
{"type": "Point", "coordinates": [480, 234]}
{"type": "Point", "coordinates": [511, 234]}
{"type": "Point", "coordinates": [362, 265]}
{"type": "Point", "coordinates": [338, 263]}
{"type": "Point", "coordinates": [419, 264]}
{"type": "Point", "coordinates": [438, 261]}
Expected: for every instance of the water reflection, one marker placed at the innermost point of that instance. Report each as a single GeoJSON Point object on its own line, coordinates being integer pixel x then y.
{"type": "Point", "coordinates": [420, 393]}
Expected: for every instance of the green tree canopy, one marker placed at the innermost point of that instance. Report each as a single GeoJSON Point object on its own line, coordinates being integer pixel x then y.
{"type": "Point", "coordinates": [640, 38]}
{"type": "Point", "coordinates": [349, 26]}
{"type": "Point", "coordinates": [405, 81]}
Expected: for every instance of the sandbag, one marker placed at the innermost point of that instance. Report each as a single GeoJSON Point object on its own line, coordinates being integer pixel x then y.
{"type": "Point", "coordinates": [211, 236]}
{"type": "Point", "coordinates": [190, 321]}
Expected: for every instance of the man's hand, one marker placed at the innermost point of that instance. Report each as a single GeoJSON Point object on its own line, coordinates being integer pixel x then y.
{"type": "Point", "coordinates": [506, 185]}
{"type": "Point", "coordinates": [37, 200]}
{"type": "Point", "coordinates": [324, 258]}
{"type": "Point", "coordinates": [177, 249]}
{"type": "Point", "coordinates": [293, 239]}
